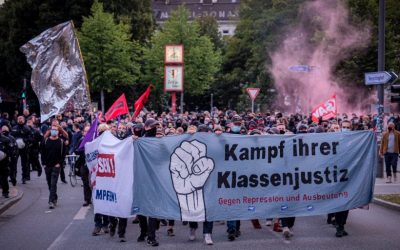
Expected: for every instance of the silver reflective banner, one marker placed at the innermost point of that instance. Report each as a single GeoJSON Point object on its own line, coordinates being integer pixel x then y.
{"type": "Point", "coordinates": [58, 74]}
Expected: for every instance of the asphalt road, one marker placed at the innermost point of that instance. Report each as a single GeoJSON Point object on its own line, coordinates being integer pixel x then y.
{"type": "Point", "coordinates": [29, 224]}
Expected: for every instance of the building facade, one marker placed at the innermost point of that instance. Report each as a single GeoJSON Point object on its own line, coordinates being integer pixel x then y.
{"type": "Point", "coordinates": [226, 12]}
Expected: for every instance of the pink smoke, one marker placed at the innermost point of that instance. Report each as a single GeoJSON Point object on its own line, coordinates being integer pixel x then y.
{"type": "Point", "coordinates": [322, 38]}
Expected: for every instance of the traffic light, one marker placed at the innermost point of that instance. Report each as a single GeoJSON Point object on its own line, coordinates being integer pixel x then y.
{"type": "Point", "coordinates": [395, 91]}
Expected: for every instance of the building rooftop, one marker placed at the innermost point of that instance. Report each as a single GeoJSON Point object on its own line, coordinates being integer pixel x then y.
{"type": "Point", "coordinates": [222, 10]}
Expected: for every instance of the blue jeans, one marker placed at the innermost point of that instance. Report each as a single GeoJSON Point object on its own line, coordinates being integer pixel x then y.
{"type": "Point", "coordinates": [207, 226]}
{"type": "Point", "coordinates": [231, 226]}
{"type": "Point", "coordinates": [52, 174]}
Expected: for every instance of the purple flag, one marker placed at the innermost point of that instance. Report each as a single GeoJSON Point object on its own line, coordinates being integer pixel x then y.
{"type": "Point", "coordinates": [90, 135]}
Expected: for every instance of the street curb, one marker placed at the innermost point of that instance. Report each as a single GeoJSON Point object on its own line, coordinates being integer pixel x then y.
{"type": "Point", "coordinates": [6, 205]}
{"type": "Point", "coordinates": [386, 204]}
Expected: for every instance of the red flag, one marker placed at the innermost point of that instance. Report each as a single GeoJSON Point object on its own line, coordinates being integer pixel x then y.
{"type": "Point", "coordinates": [141, 101]}
{"type": "Point", "coordinates": [120, 107]}
{"type": "Point", "coordinates": [325, 110]}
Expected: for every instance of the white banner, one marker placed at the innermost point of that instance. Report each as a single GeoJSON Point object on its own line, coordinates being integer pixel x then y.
{"type": "Point", "coordinates": [110, 162]}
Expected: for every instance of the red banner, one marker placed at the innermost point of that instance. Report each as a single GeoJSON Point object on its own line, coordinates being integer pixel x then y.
{"type": "Point", "coordinates": [120, 107]}
{"type": "Point", "coordinates": [141, 102]}
{"type": "Point", "coordinates": [325, 110]}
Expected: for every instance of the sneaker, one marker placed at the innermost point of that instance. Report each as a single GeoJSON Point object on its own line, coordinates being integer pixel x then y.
{"type": "Point", "coordinates": [64, 181]}
{"type": "Point", "coordinates": [231, 236]}
{"type": "Point", "coordinates": [6, 196]}
{"type": "Point", "coordinates": [192, 234]}
{"type": "Point", "coordinates": [152, 243]}
{"type": "Point", "coordinates": [256, 224]}
{"type": "Point", "coordinates": [55, 203]}
{"type": "Point", "coordinates": [207, 239]}
{"type": "Point", "coordinates": [163, 222]}
{"type": "Point", "coordinates": [112, 232]}
{"type": "Point", "coordinates": [389, 179]}
{"type": "Point", "coordinates": [268, 223]}
{"type": "Point", "coordinates": [141, 238]}
{"type": "Point", "coordinates": [286, 233]}
{"type": "Point", "coordinates": [170, 232]}
{"type": "Point", "coordinates": [105, 230]}
{"type": "Point", "coordinates": [277, 227]}
{"type": "Point", "coordinates": [344, 233]}
{"type": "Point", "coordinates": [51, 205]}
{"type": "Point", "coordinates": [96, 231]}
{"type": "Point", "coordinates": [122, 239]}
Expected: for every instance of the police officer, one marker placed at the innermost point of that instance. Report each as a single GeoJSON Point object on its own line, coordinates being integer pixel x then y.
{"type": "Point", "coordinates": [5, 152]}
{"type": "Point", "coordinates": [5, 130]}
{"type": "Point", "coordinates": [23, 137]}
{"type": "Point", "coordinates": [34, 147]}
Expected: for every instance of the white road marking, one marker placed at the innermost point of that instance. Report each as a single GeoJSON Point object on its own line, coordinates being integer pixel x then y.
{"type": "Point", "coordinates": [80, 215]}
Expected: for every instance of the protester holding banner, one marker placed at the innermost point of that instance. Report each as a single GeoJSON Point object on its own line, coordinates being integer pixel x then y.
{"type": "Point", "coordinates": [148, 225]}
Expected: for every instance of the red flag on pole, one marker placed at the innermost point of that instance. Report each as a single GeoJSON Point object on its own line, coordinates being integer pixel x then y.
{"type": "Point", "coordinates": [141, 102]}
{"type": "Point", "coordinates": [325, 110]}
{"type": "Point", "coordinates": [120, 107]}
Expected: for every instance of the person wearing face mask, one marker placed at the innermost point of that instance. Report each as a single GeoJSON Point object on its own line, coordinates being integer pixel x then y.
{"type": "Point", "coordinates": [346, 126]}
{"type": "Point", "coordinates": [148, 225]}
{"type": "Point", "coordinates": [389, 150]}
{"type": "Point", "coordinates": [13, 154]}
{"type": "Point", "coordinates": [114, 221]}
{"type": "Point", "coordinates": [53, 152]}
{"type": "Point", "coordinates": [23, 136]}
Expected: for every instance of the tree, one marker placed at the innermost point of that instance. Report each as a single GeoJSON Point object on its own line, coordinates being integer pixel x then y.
{"type": "Point", "coordinates": [209, 27]}
{"type": "Point", "coordinates": [202, 61]}
{"type": "Point", "coordinates": [139, 15]}
{"type": "Point", "coordinates": [109, 54]}
{"type": "Point", "coordinates": [22, 20]}
{"type": "Point", "coordinates": [246, 56]}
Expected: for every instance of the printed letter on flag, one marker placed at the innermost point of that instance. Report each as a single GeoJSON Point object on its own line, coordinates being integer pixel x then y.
{"type": "Point", "coordinates": [120, 107]}
{"type": "Point", "coordinates": [58, 74]}
{"type": "Point", "coordinates": [325, 110]}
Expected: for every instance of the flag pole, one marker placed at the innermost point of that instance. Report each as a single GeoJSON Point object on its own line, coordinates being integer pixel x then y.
{"type": "Point", "coordinates": [83, 63]}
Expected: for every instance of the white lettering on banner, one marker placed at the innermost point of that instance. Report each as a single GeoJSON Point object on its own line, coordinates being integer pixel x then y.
{"type": "Point", "coordinates": [106, 165]}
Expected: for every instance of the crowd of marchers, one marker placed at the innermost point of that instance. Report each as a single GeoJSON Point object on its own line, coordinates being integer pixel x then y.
{"type": "Point", "coordinates": [45, 145]}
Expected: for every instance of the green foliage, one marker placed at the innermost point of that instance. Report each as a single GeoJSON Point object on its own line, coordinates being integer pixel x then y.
{"type": "Point", "coordinates": [20, 21]}
{"type": "Point", "coordinates": [201, 60]}
{"type": "Point", "coordinates": [246, 56]}
{"type": "Point", "coordinates": [209, 27]}
{"type": "Point", "coordinates": [109, 54]}
{"type": "Point", "coordinates": [138, 14]}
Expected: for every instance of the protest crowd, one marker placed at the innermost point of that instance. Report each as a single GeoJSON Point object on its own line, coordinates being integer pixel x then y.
{"type": "Point", "coordinates": [23, 136]}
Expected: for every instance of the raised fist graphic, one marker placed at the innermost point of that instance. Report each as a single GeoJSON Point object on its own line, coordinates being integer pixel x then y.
{"type": "Point", "coordinates": [190, 169]}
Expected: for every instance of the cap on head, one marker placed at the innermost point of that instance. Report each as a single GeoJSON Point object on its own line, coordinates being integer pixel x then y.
{"type": "Point", "coordinates": [151, 123]}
